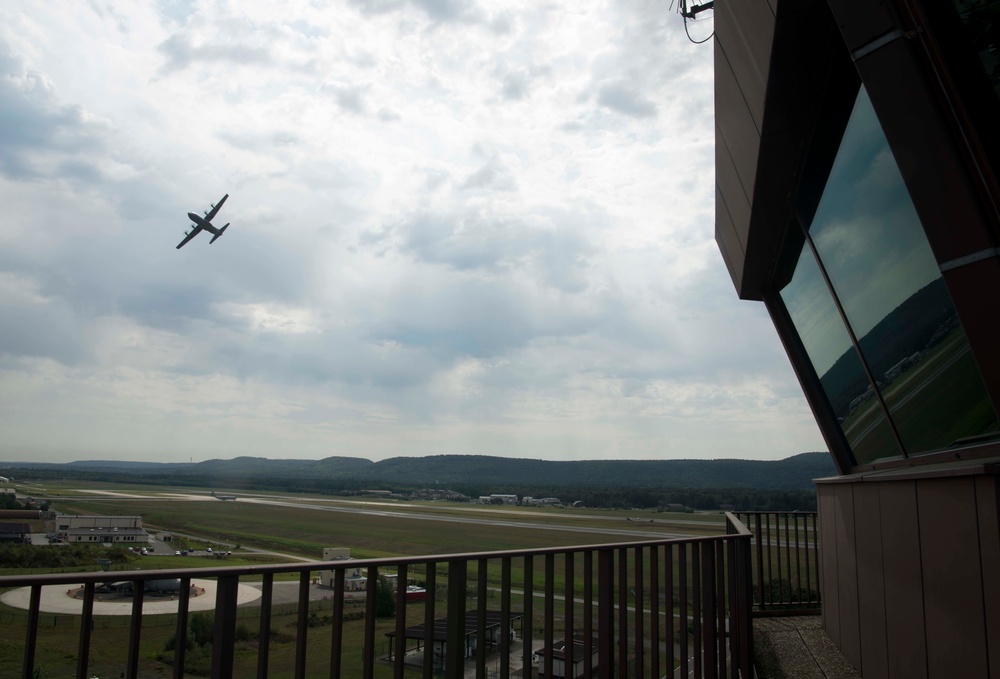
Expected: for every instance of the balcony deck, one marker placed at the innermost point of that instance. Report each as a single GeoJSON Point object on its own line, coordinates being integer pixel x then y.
{"type": "Point", "coordinates": [797, 648]}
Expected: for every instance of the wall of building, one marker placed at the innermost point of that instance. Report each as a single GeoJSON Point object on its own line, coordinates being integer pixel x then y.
{"type": "Point", "coordinates": [910, 564]}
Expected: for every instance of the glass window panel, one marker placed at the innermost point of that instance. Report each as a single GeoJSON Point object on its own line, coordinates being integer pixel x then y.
{"type": "Point", "coordinates": [872, 246]}
{"type": "Point", "coordinates": [828, 345]}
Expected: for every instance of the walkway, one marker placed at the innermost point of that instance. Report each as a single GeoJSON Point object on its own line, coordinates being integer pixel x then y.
{"type": "Point", "coordinates": [797, 648]}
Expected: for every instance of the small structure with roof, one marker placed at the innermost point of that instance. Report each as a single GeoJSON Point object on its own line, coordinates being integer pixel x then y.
{"type": "Point", "coordinates": [558, 652]}
{"type": "Point", "coordinates": [418, 634]}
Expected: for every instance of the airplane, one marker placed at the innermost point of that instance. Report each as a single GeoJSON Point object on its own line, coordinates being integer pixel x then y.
{"type": "Point", "coordinates": [202, 224]}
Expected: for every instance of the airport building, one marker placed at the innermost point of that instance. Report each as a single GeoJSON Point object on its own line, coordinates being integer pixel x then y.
{"type": "Point", "coordinates": [101, 529]}
{"type": "Point", "coordinates": [857, 197]}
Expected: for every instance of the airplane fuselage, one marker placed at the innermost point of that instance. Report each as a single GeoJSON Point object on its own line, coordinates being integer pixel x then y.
{"type": "Point", "coordinates": [201, 222]}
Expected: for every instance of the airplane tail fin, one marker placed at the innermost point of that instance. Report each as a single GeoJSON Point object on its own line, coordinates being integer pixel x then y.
{"type": "Point", "coordinates": [221, 231]}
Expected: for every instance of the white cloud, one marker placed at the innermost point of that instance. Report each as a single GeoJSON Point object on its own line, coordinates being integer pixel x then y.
{"type": "Point", "coordinates": [456, 228]}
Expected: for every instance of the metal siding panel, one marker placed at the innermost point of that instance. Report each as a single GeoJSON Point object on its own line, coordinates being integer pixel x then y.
{"type": "Point", "coordinates": [728, 183]}
{"type": "Point", "coordinates": [734, 124]}
{"type": "Point", "coordinates": [924, 149]}
{"type": "Point", "coordinates": [861, 21]}
{"type": "Point", "coordinates": [725, 237]}
{"type": "Point", "coordinates": [988, 510]}
{"type": "Point", "coordinates": [847, 565]}
{"type": "Point", "coordinates": [904, 607]}
{"type": "Point", "coordinates": [828, 557]}
{"type": "Point", "coordinates": [871, 586]}
{"type": "Point", "coordinates": [979, 314]}
{"type": "Point", "coordinates": [953, 592]}
{"type": "Point", "coordinates": [746, 31]}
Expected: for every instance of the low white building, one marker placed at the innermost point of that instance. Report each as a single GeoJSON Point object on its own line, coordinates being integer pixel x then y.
{"type": "Point", "coordinates": [497, 498]}
{"type": "Point", "coordinates": [101, 529]}
{"type": "Point", "coordinates": [355, 579]}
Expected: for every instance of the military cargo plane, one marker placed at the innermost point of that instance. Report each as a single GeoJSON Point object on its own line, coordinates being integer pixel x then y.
{"type": "Point", "coordinates": [203, 224]}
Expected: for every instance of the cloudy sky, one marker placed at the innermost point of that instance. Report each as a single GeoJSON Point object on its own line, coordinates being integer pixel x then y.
{"type": "Point", "coordinates": [457, 227]}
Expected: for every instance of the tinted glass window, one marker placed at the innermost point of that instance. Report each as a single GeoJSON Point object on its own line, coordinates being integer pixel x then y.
{"type": "Point", "coordinates": [841, 373]}
{"type": "Point", "coordinates": [869, 239]}
{"type": "Point", "coordinates": [911, 359]}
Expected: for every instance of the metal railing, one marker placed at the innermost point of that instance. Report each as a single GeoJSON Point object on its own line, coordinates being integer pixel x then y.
{"type": "Point", "coordinates": [661, 608]}
{"type": "Point", "coordinates": [786, 570]}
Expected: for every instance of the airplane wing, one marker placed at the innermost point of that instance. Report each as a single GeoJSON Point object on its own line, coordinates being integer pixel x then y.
{"type": "Point", "coordinates": [194, 232]}
{"type": "Point", "coordinates": [215, 208]}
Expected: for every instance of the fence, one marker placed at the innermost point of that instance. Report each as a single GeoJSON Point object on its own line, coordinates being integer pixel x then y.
{"type": "Point", "coordinates": [663, 608]}
{"type": "Point", "coordinates": [786, 570]}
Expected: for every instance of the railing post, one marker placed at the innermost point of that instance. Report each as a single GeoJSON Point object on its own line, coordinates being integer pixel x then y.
{"type": "Point", "coordinates": [430, 585]}
{"type": "Point", "coordinates": [302, 626]}
{"type": "Point", "coordinates": [528, 633]}
{"type": "Point", "coordinates": [135, 630]}
{"type": "Point", "coordinates": [481, 641]}
{"type": "Point", "coordinates": [710, 646]}
{"type": "Point", "coordinates": [455, 651]}
{"type": "Point", "coordinates": [623, 611]}
{"type": "Point", "coordinates": [588, 614]}
{"type": "Point", "coordinates": [86, 627]}
{"type": "Point", "coordinates": [264, 630]}
{"type": "Point", "coordinates": [568, 610]}
{"type": "Point", "coordinates": [605, 613]}
{"type": "Point", "coordinates": [399, 641]}
{"type": "Point", "coordinates": [745, 601]}
{"type": "Point", "coordinates": [548, 639]}
{"type": "Point", "coordinates": [505, 624]}
{"type": "Point", "coordinates": [371, 599]}
{"type": "Point", "coordinates": [224, 632]}
{"type": "Point", "coordinates": [639, 604]}
{"type": "Point", "coordinates": [181, 629]}
{"type": "Point", "coordinates": [337, 628]}
{"type": "Point", "coordinates": [28, 667]}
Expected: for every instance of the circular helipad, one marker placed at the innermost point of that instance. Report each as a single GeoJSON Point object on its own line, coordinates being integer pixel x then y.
{"type": "Point", "coordinates": [61, 599]}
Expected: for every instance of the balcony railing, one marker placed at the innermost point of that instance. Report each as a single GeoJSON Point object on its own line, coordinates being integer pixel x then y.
{"type": "Point", "coordinates": [662, 608]}
{"type": "Point", "coordinates": [785, 562]}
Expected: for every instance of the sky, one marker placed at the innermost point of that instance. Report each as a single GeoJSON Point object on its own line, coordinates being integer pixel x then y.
{"type": "Point", "coordinates": [456, 228]}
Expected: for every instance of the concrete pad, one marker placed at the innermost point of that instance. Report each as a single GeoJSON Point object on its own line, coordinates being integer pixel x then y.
{"type": "Point", "coordinates": [55, 599]}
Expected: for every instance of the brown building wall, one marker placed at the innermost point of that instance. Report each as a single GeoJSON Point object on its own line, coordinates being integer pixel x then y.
{"type": "Point", "coordinates": [910, 570]}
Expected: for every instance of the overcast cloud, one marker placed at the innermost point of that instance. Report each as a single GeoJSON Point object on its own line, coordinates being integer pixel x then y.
{"type": "Point", "coordinates": [457, 227]}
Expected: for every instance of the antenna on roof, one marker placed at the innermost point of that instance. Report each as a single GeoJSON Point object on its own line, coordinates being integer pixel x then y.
{"type": "Point", "coordinates": [690, 11]}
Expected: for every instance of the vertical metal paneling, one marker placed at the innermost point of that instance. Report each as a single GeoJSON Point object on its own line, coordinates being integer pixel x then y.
{"type": "Point", "coordinates": [736, 130]}
{"type": "Point", "coordinates": [953, 592]}
{"type": "Point", "coordinates": [871, 586]}
{"type": "Point", "coordinates": [904, 607]}
{"type": "Point", "coordinates": [988, 510]}
{"type": "Point", "coordinates": [847, 568]}
{"type": "Point", "coordinates": [828, 561]}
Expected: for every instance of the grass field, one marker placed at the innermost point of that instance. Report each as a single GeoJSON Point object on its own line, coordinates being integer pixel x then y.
{"type": "Point", "coordinates": [302, 525]}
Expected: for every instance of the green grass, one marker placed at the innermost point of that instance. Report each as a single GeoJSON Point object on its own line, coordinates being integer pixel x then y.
{"type": "Point", "coordinates": [305, 531]}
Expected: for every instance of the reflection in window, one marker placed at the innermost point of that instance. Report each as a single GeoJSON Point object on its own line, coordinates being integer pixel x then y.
{"type": "Point", "coordinates": [873, 250]}
{"type": "Point", "coordinates": [852, 399]}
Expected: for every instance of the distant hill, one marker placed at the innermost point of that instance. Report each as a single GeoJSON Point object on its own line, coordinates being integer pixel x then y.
{"type": "Point", "coordinates": [470, 471]}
